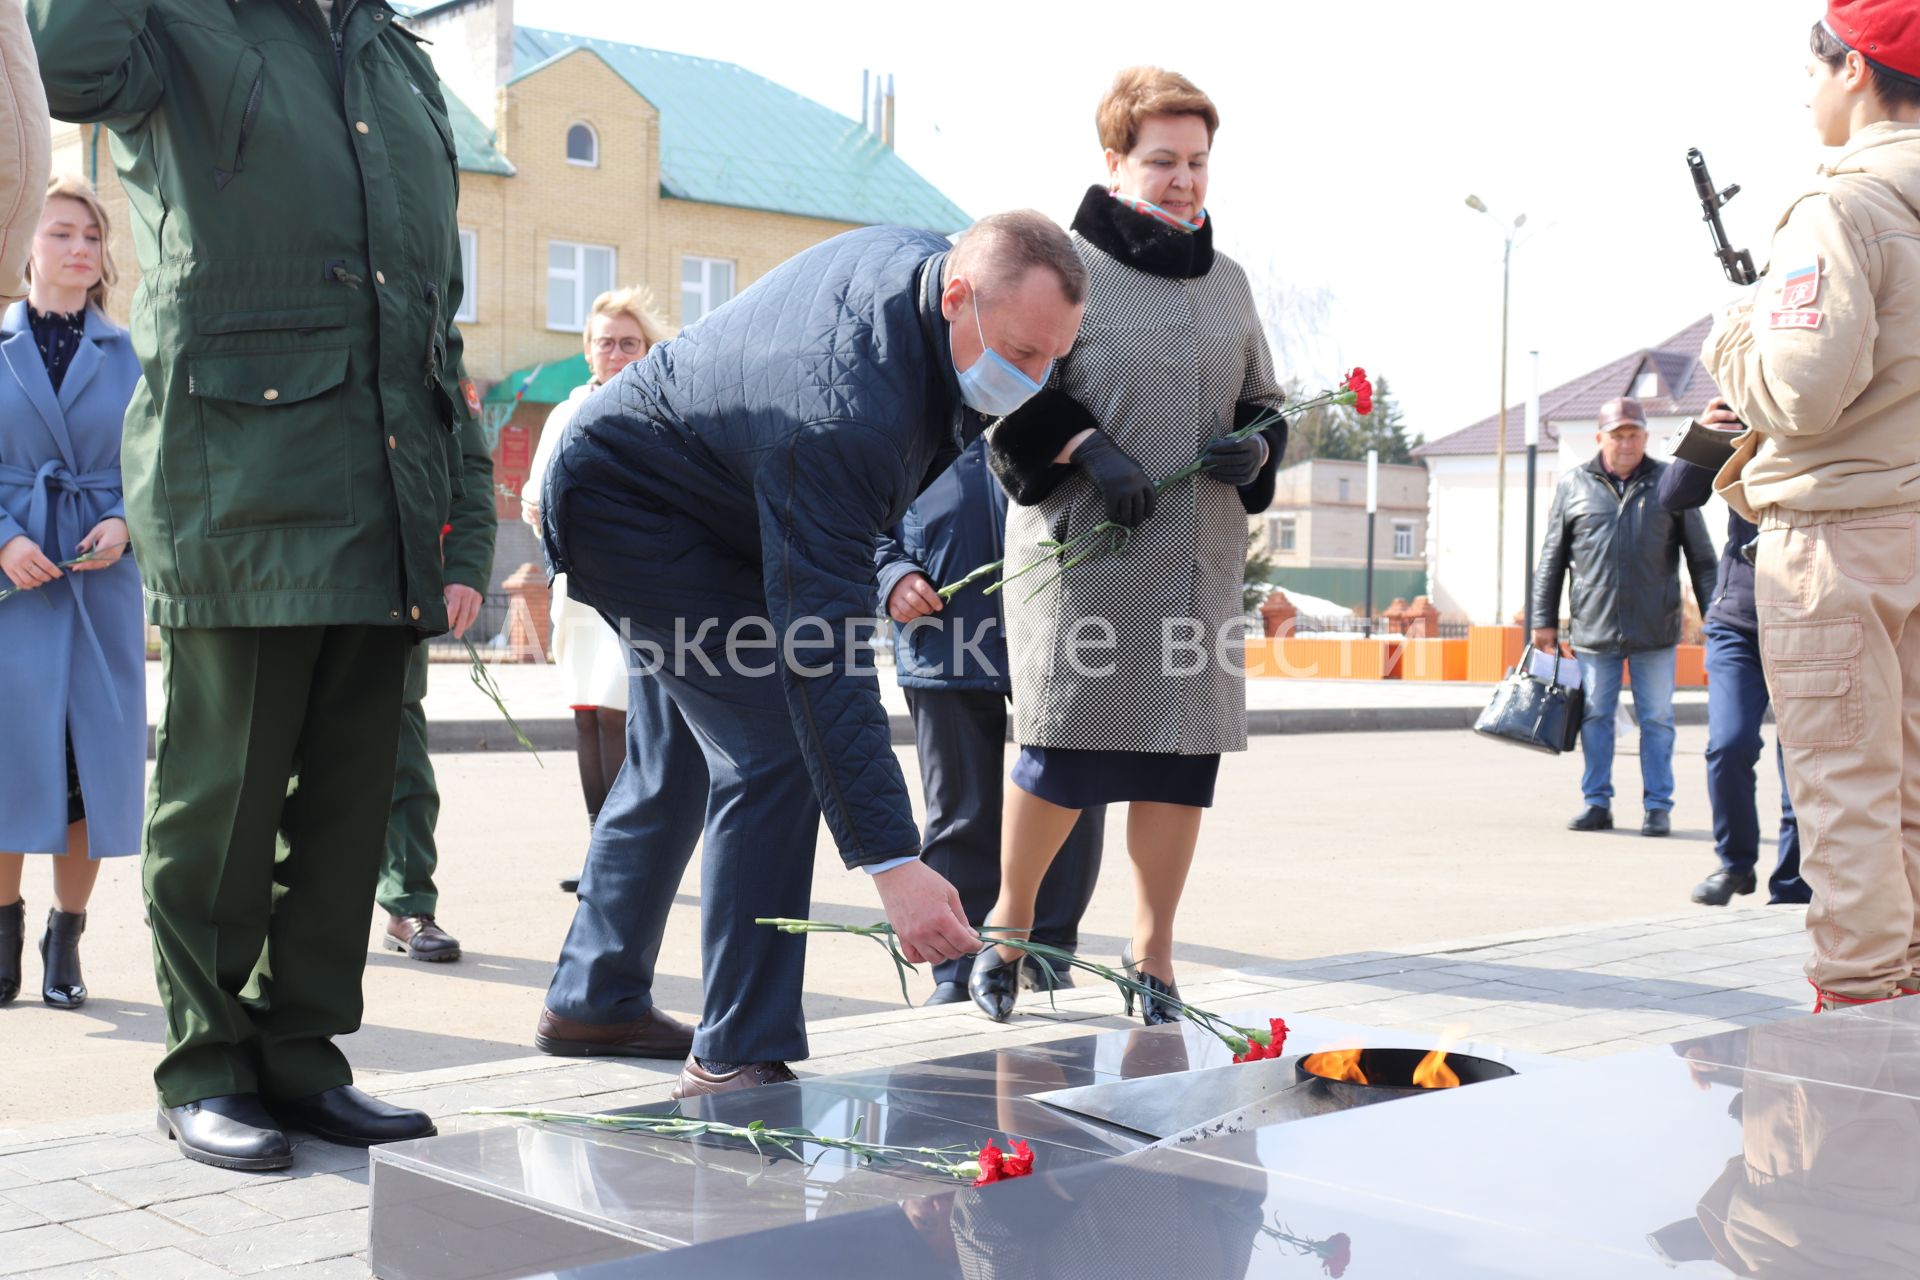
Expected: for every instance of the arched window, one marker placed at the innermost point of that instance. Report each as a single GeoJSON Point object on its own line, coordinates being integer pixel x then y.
{"type": "Point", "coordinates": [583, 146]}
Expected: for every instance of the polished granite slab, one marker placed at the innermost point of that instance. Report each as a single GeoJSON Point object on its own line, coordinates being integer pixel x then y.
{"type": "Point", "coordinates": [485, 1199]}
{"type": "Point", "coordinates": [1790, 1151]}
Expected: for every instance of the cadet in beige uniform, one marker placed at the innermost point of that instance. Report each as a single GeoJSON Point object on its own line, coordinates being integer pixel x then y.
{"type": "Point", "coordinates": [1824, 366]}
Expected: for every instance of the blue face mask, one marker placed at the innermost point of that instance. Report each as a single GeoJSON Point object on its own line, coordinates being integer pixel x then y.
{"type": "Point", "coordinates": [995, 385]}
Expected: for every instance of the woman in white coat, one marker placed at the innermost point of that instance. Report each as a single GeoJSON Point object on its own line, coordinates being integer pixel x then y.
{"type": "Point", "coordinates": [623, 327]}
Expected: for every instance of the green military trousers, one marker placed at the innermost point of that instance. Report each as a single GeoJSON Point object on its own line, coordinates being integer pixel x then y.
{"type": "Point", "coordinates": [406, 870]}
{"type": "Point", "coordinates": [271, 738]}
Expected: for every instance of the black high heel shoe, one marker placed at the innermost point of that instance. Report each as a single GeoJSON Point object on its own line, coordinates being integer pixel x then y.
{"type": "Point", "coordinates": [63, 987]}
{"type": "Point", "coordinates": [994, 983]}
{"type": "Point", "coordinates": [13, 940]}
{"type": "Point", "coordinates": [1153, 1009]}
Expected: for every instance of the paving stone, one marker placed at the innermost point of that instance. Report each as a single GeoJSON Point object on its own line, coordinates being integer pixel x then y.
{"type": "Point", "coordinates": [154, 1264]}
{"type": "Point", "coordinates": [60, 1161]}
{"type": "Point", "coordinates": [16, 1217]}
{"type": "Point", "coordinates": [178, 1179]}
{"type": "Point", "coordinates": [37, 1248]}
{"type": "Point", "coordinates": [133, 1231]}
{"type": "Point", "coordinates": [64, 1201]}
{"type": "Point", "coordinates": [307, 1197]}
{"type": "Point", "coordinates": [286, 1244]}
{"type": "Point", "coordinates": [353, 1268]}
{"type": "Point", "coordinates": [1723, 1004]}
{"type": "Point", "coordinates": [11, 1178]}
{"type": "Point", "coordinates": [215, 1215]}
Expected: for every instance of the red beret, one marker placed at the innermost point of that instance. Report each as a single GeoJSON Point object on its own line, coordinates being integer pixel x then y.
{"type": "Point", "coordinates": [1884, 32]}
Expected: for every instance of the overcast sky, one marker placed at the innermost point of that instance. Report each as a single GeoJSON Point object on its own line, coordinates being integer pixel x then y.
{"type": "Point", "coordinates": [1350, 136]}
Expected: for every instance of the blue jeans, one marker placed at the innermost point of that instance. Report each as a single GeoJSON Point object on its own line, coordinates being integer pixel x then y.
{"type": "Point", "coordinates": [1652, 702]}
{"type": "Point", "coordinates": [1736, 705]}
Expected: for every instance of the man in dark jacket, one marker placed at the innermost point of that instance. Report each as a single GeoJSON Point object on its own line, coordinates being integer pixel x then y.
{"type": "Point", "coordinates": [951, 659]}
{"type": "Point", "coordinates": [1624, 551]}
{"type": "Point", "coordinates": [1736, 704]}
{"type": "Point", "coordinates": [719, 503]}
{"type": "Point", "coordinates": [290, 457]}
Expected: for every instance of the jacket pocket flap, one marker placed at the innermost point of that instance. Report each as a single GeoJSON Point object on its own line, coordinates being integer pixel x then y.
{"type": "Point", "coordinates": [1811, 682]}
{"type": "Point", "coordinates": [327, 317]}
{"type": "Point", "coordinates": [1812, 641]}
{"type": "Point", "coordinates": [268, 380]}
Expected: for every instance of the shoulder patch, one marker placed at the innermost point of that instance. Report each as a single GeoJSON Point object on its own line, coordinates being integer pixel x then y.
{"type": "Point", "coordinates": [1802, 287]}
{"type": "Point", "coordinates": [1795, 320]}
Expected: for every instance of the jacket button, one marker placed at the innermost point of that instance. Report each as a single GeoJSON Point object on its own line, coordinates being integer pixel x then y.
{"type": "Point", "coordinates": [379, 277]}
{"type": "Point", "coordinates": [393, 613]}
{"type": "Point", "coordinates": [360, 126]}
{"type": "Point", "coordinates": [270, 394]}
{"type": "Point", "coordinates": [416, 613]}
{"type": "Point", "coordinates": [392, 443]}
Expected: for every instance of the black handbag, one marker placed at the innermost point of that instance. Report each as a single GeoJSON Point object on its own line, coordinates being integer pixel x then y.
{"type": "Point", "coordinates": [1541, 715]}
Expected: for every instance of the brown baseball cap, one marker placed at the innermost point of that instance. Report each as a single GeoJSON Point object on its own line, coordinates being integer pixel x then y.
{"type": "Point", "coordinates": [1623, 411]}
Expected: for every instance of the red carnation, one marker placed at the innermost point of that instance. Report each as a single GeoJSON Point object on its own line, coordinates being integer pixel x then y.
{"type": "Point", "coordinates": [1018, 1162]}
{"type": "Point", "coordinates": [1362, 391]}
{"type": "Point", "coordinates": [992, 1168]}
{"type": "Point", "coordinates": [1335, 1253]}
{"type": "Point", "coordinates": [1279, 1042]}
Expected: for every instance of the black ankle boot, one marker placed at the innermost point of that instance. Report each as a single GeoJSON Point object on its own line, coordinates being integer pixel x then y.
{"type": "Point", "coordinates": [63, 987]}
{"type": "Point", "coordinates": [13, 939]}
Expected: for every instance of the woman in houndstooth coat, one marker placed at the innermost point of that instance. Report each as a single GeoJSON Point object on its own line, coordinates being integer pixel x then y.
{"type": "Point", "coordinates": [1128, 676]}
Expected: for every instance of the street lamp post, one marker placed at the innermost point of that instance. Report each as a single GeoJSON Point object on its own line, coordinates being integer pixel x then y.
{"type": "Point", "coordinates": [1373, 506]}
{"type": "Point", "coordinates": [1500, 448]}
{"type": "Point", "coordinates": [1533, 457]}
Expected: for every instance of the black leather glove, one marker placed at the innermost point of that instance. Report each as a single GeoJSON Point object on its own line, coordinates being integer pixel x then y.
{"type": "Point", "coordinates": [1234, 462]}
{"type": "Point", "coordinates": [1128, 491]}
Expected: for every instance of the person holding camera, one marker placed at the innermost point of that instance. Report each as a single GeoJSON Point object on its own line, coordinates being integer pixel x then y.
{"type": "Point", "coordinates": [1623, 549]}
{"type": "Point", "coordinates": [1736, 703]}
{"type": "Point", "coordinates": [1818, 366]}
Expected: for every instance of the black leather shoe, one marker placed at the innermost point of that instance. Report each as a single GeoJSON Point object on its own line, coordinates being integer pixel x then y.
{"type": "Point", "coordinates": [1717, 890]}
{"type": "Point", "coordinates": [63, 987]}
{"type": "Point", "coordinates": [1037, 975]}
{"type": "Point", "coordinates": [945, 993]}
{"type": "Point", "coordinates": [420, 938]}
{"type": "Point", "coordinates": [1657, 823]}
{"type": "Point", "coordinates": [13, 943]}
{"type": "Point", "coordinates": [232, 1131]}
{"type": "Point", "coordinates": [1154, 1009]}
{"type": "Point", "coordinates": [346, 1116]}
{"type": "Point", "coordinates": [570, 885]}
{"type": "Point", "coordinates": [1594, 819]}
{"type": "Point", "coordinates": [994, 983]}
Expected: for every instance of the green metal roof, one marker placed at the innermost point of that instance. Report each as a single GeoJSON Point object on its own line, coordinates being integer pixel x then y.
{"type": "Point", "coordinates": [550, 383]}
{"type": "Point", "coordinates": [473, 140]}
{"type": "Point", "coordinates": [728, 136]}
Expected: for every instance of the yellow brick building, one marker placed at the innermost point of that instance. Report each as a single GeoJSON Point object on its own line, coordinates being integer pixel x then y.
{"type": "Point", "coordinates": [587, 164]}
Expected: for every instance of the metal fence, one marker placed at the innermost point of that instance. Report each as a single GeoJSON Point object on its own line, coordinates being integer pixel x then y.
{"type": "Point", "coordinates": [1349, 625]}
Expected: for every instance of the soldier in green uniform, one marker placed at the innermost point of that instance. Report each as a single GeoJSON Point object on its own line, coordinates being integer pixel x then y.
{"type": "Point", "coordinates": [290, 460]}
{"type": "Point", "coordinates": [407, 892]}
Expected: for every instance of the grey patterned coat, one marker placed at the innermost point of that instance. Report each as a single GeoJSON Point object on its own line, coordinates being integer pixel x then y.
{"type": "Point", "coordinates": [1170, 353]}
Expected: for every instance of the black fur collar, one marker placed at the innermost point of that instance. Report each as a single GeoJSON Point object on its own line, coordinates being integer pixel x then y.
{"type": "Point", "coordinates": [1144, 242]}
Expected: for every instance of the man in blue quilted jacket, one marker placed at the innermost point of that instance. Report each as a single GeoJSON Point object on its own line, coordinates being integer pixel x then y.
{"type": "Point", "coordinates": [719, 503]}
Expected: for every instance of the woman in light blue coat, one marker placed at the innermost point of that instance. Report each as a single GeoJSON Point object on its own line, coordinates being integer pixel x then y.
{"type": "Point", "coordinates": [72, 641]}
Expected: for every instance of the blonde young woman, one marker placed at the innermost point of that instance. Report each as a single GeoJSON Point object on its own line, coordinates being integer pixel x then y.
{"type": "Point", "coordinates": [72, 644]}
{"type": "Point", "coordinates": [622, 327]}
{"type": "Point", "coordinates": [1169, 355]}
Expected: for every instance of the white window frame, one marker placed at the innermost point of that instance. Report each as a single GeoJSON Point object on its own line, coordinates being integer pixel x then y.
{"type": "Point", "coordinates": [1285, 531]}
{"type": "Point", "coordinates": [1646, 385]}
{"type": "Point", "coordinates": [593, 136]}
{"type": "Point", "coordinates": [705, 289]}
{"type": "Point", "coordinates": [469, 277]}
{"type": "Point", "coordinates": [1346, 488]}
{"type": "Point", "coordinates": [583, 296]}
{"type": "Point", "coordinates": [1403, 529]}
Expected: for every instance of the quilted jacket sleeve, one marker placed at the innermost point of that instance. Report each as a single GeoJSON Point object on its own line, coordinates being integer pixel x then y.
{"type": "Point", "coordinates": [824, 498]}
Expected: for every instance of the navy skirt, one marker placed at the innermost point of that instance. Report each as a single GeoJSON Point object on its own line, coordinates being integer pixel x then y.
{"type": "Point", "coordinates": [1077, 779]}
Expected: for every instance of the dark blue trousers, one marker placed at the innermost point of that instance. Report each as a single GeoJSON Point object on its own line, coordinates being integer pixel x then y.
{"type": "Point", "coordinates": [716, 761]}
{"type": "Point", "coordinates": [962, 735]}
{"type": "Point", "coordinates": [1736, 706]}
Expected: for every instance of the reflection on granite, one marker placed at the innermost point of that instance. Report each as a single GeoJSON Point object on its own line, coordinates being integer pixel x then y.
{"type": "Point", "coordinates": [1787, 1152]}
{"type": "Point", "coordinates": [1158, 1213]}
{"type": "Point", "coordinates": [568, 1194]}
